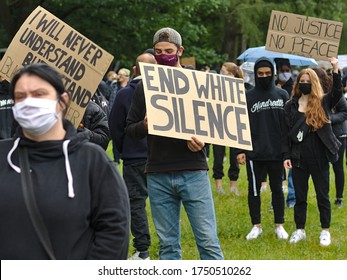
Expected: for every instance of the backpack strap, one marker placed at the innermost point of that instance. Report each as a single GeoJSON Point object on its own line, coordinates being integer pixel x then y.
{"type": "Point", "coordinates": [30, 203]}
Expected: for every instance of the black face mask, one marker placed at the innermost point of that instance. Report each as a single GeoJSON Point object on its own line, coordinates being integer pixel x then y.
{"type": "Point", "coordinates": [265, 82]}
{"type": "Point", "coordinates": [305, 88]}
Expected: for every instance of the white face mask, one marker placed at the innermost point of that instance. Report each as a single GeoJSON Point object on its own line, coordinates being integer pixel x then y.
{"type": "Point", "coordinates": [285, 76]}
{"type": "Point", "coordinates": [36, 115]}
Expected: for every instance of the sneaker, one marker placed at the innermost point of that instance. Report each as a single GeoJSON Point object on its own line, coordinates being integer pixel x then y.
{"type": "Point", "coordinates": [339, 202]}
{"type": "Point", "coordinates": [142, 256]}
{"type": "Point", "coordinates": [234, 190]}
{"type": "Point", "coordinates": [291, 205]}
{"type": "Point", "coordinates": [325, 238]}
{"type": "Point", "coordinates": [220, 190]}
{"type": "Point", "coordinates": [263, 188]}
{"type": "Point", "coordinates": [254, 233]}
{"type": "Point", "coordinates": [281, 232]}
{"type": "Point", "coordinates": [297, 236]}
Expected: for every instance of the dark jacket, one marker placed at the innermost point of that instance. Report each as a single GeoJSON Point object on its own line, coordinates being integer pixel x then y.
{"type": "Point", "coordinates": [338, 117]}
{"type": "Point", "coordinates": [89, 220]}
{"type": "Point", "coordinates": [165, 154]}
{"type": "Point", "coordinates": [291, 148]}
{"type": "Point", "coordinates": [131, 150]}
{"type": "Point", "coordinates": [265, 111]}
{"type": "Point", "coordinates": [287, 86]}
{"type": "Point", "coordinates": [94, 126]}
{"type": "Point", "coordinates": [6, 114]}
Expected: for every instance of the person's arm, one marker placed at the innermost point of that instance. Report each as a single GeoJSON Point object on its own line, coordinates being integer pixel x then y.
{"type": "Point", "coordinates": [117, 122]}
{"type": "Point", "coordinates": [339, 114]}
{"type": "Point", "coordinates": [94, 126]}
{"type": "Point", "coordinates": [136, 124]}
{"type": "Point", "coordinates": [110, 213]}
{"type": "Point", "coordinates": [285, 139]}
{"type": "Point", "coordinates": [336, 92]}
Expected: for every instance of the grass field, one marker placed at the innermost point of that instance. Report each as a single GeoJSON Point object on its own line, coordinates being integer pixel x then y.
{"type": "Point", "coordinates": [234, 223]}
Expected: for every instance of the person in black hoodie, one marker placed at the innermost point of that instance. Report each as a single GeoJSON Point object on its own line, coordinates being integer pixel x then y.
{"type": "Point", "coordinates": [81, 197]}
{"type": "Point", "coordinates": [6, 115]}
{"type": "Point", "coordinates": [94, 125]}
{"type": "Point", "coordinates": [134, 156]}
{"type": "Point", "coordinates": [265, 104]}
{"type": "Point", "coordinates": [309, 144]}
{"type": "Point", "coordinates": [176, 170]}
{"type": "Point", "coordinates": [338, 117]}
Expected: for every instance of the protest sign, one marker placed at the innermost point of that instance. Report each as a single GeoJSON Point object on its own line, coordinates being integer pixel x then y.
{"type": "Point", "coordinates": [302, 35]}
{"type": "Point", "coordinates": [188, 61]}
{"type": "Point", "coordinates": [182, 103]}
{"type": "Point", "coordinates": [45, 38]}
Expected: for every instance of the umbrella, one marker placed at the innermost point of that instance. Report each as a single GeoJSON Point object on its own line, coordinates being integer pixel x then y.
{"type": "Point", "coordinates": [252, 54]}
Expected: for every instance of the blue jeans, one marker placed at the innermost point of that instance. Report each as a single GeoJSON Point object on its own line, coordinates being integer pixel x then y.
{"type": "Point", "coordinates": [167, 191]}
{"type": "Point", "coordinates": [290, 201]}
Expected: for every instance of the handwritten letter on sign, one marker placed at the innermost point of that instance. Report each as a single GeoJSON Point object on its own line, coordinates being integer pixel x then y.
{"type": "Point", "coordinates": [301, 35]}
{"type": "Point", "coordinates": [182, 103]}
{"type": "Point", "coordinates": [45, 38]}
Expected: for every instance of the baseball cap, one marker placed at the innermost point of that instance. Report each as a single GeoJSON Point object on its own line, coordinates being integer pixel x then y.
{"type": "Point", "coordinates": [167, 34]}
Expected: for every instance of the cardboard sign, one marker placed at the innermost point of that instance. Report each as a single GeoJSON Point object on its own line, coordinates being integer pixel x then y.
{"type": "Point", "coordinates": [188, 61]}
{"type": "Point", "coordinates": [182, 103]}
{"type": "Point", "coordinates": [301, 35]}
{"type": "Point", "coordinates": [45, 38]}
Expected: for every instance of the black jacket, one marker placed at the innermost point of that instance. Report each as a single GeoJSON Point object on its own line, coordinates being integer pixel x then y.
{"type": "Point", "coordinates": [131, 150]}
{"type": "Point", "coordinates": [6, 114]}
{"type": "Point", "coordinates": [89, 220]}
{"type": "Point", "coordinates": [291, 148]}
{"type": "Point", "coordinates": [338, 118]}
{"type": "Point", "coordinates": [94, 126]}
{"type": "Point", "coordinates": [165, 154]}
{"type": "Point", "coordinates": [266, 114]}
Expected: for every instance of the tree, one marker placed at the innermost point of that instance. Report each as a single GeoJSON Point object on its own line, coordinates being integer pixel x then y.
{"type": "Point", "coordinates": [213, 31]}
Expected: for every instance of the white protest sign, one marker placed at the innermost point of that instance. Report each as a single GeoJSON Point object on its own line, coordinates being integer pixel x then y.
{"type": "Point", "coordinates": [182, 103]}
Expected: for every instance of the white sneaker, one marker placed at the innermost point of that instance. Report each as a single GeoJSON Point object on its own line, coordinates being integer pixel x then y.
{"type": "Point", "coordinates": [297, 236]}
{"type": "Point", "coordinates": [234, 190]}
{"type": "Point", "coordinates": [281, 232]}
{"type": "Point", "coordinates": [325, 238]}
{"type": "Point", "coordinates": [220, 190]}
{"type": "Point", "coordinates": [263, 188]}
{"type": "Point", "coordinates": [136, 256]}
{"type": "Point", "coordinates": [254, 233]}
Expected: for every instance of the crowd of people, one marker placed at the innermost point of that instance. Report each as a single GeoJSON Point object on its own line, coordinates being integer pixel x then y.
{"type": "Point", "coordinates": [62, 197]}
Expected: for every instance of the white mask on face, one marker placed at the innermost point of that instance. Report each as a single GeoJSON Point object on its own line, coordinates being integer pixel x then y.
{"type": "Point", "coordinates": [285, 76]}
{"type": "Point", "coordinates": [36, 115]}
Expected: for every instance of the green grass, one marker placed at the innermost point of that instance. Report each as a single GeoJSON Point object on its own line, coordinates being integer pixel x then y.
{"type": "Point", "coordinates": [233, 222]}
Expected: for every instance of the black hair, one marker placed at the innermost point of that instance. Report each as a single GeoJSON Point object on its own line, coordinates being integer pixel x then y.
{"type": "Point", "coordinates": [43, 71]}
{"type": "Point", "coordinates": [282, 62]}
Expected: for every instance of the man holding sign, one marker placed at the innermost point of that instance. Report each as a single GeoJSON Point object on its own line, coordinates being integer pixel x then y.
{"type": "Point", "coordinates": [176, 170]}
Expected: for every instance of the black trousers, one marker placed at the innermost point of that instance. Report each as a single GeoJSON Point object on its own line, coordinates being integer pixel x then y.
{"type": "Point", "coordinates": [318, 168]}
{"type": "Point", "coordinates": [135, 180]}
{"type": "Point", "coordinates": [339, 170]}
{"type": "Point", "coordinates": [255, 171]}
{"type": "Point", "coordinates": [218, 155]}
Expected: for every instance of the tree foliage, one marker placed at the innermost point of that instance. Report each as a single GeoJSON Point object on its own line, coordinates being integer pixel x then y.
{"type": "Point", "coordinates": [212, 30]}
